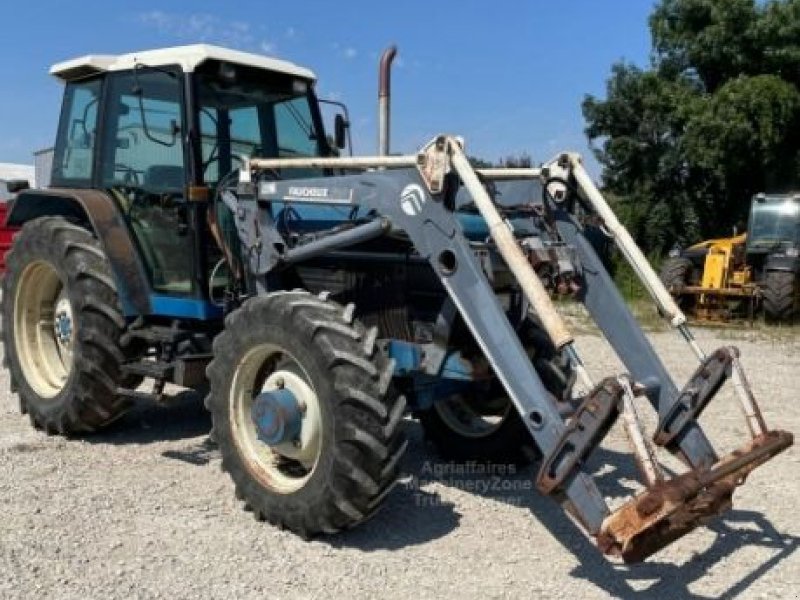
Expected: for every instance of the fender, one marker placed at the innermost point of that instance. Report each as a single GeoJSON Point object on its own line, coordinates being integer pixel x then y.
{"type": "Point", "coordinates": [98, 210]}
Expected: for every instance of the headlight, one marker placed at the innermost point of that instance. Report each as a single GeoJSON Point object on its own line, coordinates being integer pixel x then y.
{"type": "Point", "coordinates": [793, 252]}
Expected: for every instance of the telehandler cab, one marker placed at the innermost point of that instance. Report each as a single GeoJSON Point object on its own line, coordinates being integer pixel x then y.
{"type": "Point", "coordinates": [201, 230]}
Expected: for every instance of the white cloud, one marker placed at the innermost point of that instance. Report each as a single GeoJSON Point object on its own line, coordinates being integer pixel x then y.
{"type": "Point", "coordinates": [290, 33]}
{"type": "Point", "coordinates": [350, 53]}
{"type": "Point", "coordinates": [205, 28]}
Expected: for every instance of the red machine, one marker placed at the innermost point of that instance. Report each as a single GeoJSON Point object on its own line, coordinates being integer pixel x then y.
{"type": "Point", "coordinates": [8, 190]}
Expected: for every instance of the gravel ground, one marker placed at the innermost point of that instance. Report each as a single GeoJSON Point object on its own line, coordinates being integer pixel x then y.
{"type": "Point", "coordinates": [143, 511]}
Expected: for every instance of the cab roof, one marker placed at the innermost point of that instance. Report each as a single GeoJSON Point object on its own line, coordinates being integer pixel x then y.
{"type": "Point", "coordinates": [188, 57]}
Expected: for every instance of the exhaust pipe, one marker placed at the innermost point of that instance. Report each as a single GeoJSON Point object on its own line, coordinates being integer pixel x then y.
{"type": "Point", "coordinates": [384, 99]}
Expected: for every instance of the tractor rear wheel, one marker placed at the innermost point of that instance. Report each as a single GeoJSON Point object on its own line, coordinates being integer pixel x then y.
{"type": "Point", "coordinates": [486, 427]}
{"type": "Point", "coordinates": [308, 427]}
{"type": "Point", "coordinates": [780, 293]}
{"type": "Point", "coordinates": [62, 323]}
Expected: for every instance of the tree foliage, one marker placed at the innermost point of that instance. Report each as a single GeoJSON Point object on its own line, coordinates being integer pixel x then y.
{"type": "Point", "coordinates": [686, 142]}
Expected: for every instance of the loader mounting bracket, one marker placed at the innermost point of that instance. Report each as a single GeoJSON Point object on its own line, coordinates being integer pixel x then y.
{"type": "Point", "coordinates": [587, 428]}
{"type": "Point", "coordinates": [696, 394]}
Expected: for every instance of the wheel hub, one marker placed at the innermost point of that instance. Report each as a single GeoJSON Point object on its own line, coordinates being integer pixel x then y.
{"type": "Point", "coordinates": [277, 416]}
{"type": "Point", "coordinates": [62, 323]}
{"type": "Point", "coordinates": [289, 415]}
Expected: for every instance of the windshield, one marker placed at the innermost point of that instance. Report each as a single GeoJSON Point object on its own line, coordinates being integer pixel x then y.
{"type": "Point", "coordinates": [256, 113]}
{"type": "Point", "coordinates": [774, 221]}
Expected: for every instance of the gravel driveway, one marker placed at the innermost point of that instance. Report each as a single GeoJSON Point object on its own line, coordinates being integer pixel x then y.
{"type": "Point", "coordinates": [143, 511]}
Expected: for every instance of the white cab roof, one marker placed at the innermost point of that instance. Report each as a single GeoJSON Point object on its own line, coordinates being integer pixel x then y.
{"type": "Point", "coordinates": [188, 57]}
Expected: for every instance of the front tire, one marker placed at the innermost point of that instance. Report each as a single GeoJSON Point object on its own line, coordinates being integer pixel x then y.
{"type": "Point", "coordinates": [345, 458]}
{"type": "Point", "coordinates": [62, 323]}
{"type": "Point", "coordinates": [780, 294]}
{"type": "Point", "coordinates": [486, 427]}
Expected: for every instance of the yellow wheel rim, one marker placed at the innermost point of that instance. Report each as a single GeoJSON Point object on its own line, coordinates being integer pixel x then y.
{"type": "Point", "coordinates": [44, 329]}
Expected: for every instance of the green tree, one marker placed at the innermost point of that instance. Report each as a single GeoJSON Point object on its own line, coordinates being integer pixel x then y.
{"type": "Point", "coordinates": [714, 119]}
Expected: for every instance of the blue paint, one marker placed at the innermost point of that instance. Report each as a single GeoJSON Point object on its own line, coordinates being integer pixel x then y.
{"type": "Point", "coordinates": [186, 308]}
{"type": "Point", "coordinates": [455, 375]}
{"type": "Point", "coordinates": [455, 367]}
{"type": "Point", "coordinates": [407, 357]}
{"type": "Point", "coordinates": [277, 417]}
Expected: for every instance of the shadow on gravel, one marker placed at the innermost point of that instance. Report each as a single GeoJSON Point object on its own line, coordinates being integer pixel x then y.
{"type": "Point", "coordinates": [654, 579]}
{"type": "Point", "coordinates": [410, 515]}
{"type": "Point", "coordinates": [668, 580]}
{"type": "Point", "coordinates": [179, 417]}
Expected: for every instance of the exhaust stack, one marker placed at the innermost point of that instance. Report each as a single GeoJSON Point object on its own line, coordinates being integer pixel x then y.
{"type": "Point", "coordinates": [384, 99]}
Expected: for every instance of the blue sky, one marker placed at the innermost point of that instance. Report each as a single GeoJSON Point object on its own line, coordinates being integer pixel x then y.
{"type": "Point", "coordinates": [507, 75]}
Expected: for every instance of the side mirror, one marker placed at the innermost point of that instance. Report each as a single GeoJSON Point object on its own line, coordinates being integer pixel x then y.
{"type": "Point", "coordinates": [340, 126]}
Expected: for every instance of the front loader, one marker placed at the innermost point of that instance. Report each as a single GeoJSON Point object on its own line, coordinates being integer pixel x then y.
{"type": "Point", "coordinates": [204, 231]}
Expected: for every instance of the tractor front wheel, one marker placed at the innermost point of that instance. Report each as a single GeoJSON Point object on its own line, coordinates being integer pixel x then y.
{"type": "Point", "coordinates": [303, 412]}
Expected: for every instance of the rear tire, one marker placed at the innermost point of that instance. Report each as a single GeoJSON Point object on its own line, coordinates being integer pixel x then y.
{"type": "Point", "coordinates": [780, 294]}
{"type": "Point", "coordinates": [62, 322]}
{"type": "Point", "coordinates": [338, 474]}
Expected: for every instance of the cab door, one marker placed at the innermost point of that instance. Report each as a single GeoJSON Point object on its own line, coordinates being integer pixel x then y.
{"type": "Point", "coordinates": [143, 164]}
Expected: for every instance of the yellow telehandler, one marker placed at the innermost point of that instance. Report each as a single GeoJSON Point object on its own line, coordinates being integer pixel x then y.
{"type": "Point", "coordinates": [725, 278]}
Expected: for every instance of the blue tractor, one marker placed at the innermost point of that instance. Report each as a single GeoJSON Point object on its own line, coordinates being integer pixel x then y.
{"type": "Point", "coordinates": [203, 230]}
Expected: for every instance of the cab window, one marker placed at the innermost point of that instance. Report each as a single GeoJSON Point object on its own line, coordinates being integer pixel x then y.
{"type": "Point", "coordinates": [74, 153]}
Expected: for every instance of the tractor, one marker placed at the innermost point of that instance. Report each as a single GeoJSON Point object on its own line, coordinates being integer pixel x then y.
{"type": "Point", "coordinates": [203, 229]}
{"type": "Point", "coordinates": [733, 277]}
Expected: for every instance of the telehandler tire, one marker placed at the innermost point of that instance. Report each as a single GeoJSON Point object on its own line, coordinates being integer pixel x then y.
{"type": "Point", "coordinates": [780, 295]}
{"type": "Point", "coordinates": [62, 323]}
{"type": "Point", "coordinates": [342, 456]}
{"type": "Point", "coordinates": [675, 274]}
{"type": "Point", "coordinates": [487, 427]}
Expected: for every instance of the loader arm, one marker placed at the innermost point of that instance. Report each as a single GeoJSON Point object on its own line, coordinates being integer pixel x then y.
{"type": "Point", "coordinates": [414, 196]}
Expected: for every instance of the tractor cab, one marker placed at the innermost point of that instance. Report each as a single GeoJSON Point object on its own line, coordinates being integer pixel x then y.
{"type": "Point", "coordinates": [774, 225]}
{"type": "Point", "coordinates": [160, 130]}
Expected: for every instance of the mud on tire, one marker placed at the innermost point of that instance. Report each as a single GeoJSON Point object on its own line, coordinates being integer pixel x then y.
{"type": "Point", "coordinates": [361, 440]}
{"type": "Point", "coordinates": [52, 263]}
